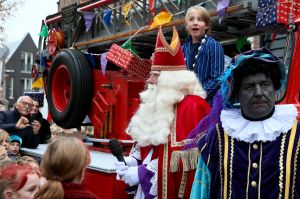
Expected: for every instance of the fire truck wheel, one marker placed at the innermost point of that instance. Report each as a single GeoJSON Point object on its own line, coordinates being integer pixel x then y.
{"type": "Point", "coordinates": [69, 88]}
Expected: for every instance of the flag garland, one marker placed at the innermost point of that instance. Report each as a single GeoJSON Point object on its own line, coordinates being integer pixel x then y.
{"type": "Point", "coordinates": [125, 11]}
{"type": "Point", "coordinates": [44, 31]}
{"type": "Point", "coordinates": [88, 17]}
{"type": "Point", "coordinates": [107, 17]}
{"type": "Point", "coordinates": [160, 19]}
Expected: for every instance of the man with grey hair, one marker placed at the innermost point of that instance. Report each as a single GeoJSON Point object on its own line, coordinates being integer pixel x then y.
{"type": "Point", "coordinates": [18, 122]}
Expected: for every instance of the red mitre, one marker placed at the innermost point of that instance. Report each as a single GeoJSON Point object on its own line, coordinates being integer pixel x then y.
{"type": "Point", "coordinates": [168, 57]}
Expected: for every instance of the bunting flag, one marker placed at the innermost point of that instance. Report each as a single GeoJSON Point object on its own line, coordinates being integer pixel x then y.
{"type": "Point", "coordinates": [128, 46]}
{"type": "Point", "coordinates": [152, 7]}
{"type": "Point", "coordinates": [107, 17]}
{"type": "Point", "coordinates": [44, 32]}
{"type": "Point", "coordinates": [37, 79]}
{"type": "Point", "coordinates": [160, 19]}
{"type": "Point", "coordinates": [125, 11]}
{"type": "Point", "coordinates": [103, 61]}
{"type": "Point", "coordinates": [126, 8]}
{"type": "Point", "coordinates": [241, 42]}
{"type": "Point", "coordinates": [178, 2]}
{"type": "Point", "coordinates": [38, 83]}
{"type": "Point", "coordinates": [88, 17]}
{"type": "Point", "coordinates": [221, 8]}
{"type": "Point", "coordinates": [43, 62]}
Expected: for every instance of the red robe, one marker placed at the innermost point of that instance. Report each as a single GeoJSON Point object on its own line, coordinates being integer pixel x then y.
{"type": "Point", "coordinates": [176, 167]}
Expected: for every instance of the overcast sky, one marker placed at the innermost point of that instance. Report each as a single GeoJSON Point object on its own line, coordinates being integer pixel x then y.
{"type": "Point", "coordinates": [28, 18]}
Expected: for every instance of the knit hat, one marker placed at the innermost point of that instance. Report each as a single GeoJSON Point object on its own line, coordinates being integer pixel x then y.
{"type": "Point", "coordinates": [168, 57]}
{"type": "Point", "coordinates": [227, 80]}
{"type": "Point", "coordinates": [15, 138]}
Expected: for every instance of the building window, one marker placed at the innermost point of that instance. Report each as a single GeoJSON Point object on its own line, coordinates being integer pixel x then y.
{"type": "Point", "coordinates": [11, 88]}
{"type": "Point", "coordinates": [26, 84]}
{"type": "Point", "coordinates": [26, 62]}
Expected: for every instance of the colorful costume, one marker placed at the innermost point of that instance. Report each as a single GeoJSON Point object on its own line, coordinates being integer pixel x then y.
{"type": "Point", "coordinates": [243, 165]}
{"type": "Point", "coordinates": [165, 170]}
{"type": "Point", "coordinates": [170, 172]}
{"type": "Point", "coordinates": [244, 157]}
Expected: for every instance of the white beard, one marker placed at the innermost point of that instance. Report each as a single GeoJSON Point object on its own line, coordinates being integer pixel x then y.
{"type": "Point", "coordinates": [151, 123]}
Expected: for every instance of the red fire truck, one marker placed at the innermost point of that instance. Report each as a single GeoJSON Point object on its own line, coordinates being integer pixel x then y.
{"type": "Point", "coordinates": [80, 89]}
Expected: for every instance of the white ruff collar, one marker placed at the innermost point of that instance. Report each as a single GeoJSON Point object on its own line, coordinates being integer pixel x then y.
{"type": "Point", "coordinates": [236, 126]}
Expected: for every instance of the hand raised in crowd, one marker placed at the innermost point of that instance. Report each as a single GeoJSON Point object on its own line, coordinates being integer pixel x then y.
{"type": "Point", "coordinates": [36, 125]}
{"type": "Point", "coordinates": [22, 123]}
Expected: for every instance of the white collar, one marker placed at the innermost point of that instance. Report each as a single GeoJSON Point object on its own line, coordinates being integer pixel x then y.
{"type": "Point", "coordinates": [236, 126]}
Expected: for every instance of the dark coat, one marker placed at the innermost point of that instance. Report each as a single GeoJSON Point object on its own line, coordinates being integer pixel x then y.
{"type": "Point", "coordinates": [8, 121]}
{"type": "Point", "coordinates": [44, 131]}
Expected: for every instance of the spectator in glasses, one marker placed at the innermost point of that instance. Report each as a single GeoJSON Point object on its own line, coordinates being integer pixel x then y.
{"type": "Point", "coordinates": [18, 122]}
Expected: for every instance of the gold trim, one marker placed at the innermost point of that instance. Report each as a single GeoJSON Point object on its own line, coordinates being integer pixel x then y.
{"type": "Point", "coordinates": [208, 159]}
{"type": "Point", "coordinates": [182, 184]}
{"type": "Point", "coordinates": [225, 163]}
{"type": "Point", "coordinates": [248, 174]}
{"type": "Point", "coordinates": [230, 167]}
{"type": "Point", "coordinates": [174, 142]}
{"type": "Point", "coordinates": [203, 147]}
{"type": "Point", "coordinates": [175, 38]}
{"type": "Point", "coordinates": [288, 161]}
{"type": "Point", "coordinates": [168, 68]}
{"type": "Point", "coordinates": [165, 172]}
{"type": "Point", "coordinates": [188, 158]}
{"type": "Point", "coordinates": [295, 167]}
{"type": "Point", "coordinates": [282, 146]}
{"type": "Point", "coordinates": [259, 180]}
{"type": "Point", "coordinates": [203, 184]}
{"type": "Point", "coordinates": [220, 160]}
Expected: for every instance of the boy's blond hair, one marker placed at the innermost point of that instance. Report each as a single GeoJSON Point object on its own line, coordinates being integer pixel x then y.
{"type": "Point", "coordinates": [203, 13]}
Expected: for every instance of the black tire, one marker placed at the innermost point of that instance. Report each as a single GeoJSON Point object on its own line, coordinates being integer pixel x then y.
{"type": "Point", "coordinates": [69, 88]}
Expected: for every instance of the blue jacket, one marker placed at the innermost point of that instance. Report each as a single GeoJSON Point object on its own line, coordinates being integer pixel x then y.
{"type": "Point", "coordinates": [8, 120]}
{"type": "Point", "coordinates": [209, 64]}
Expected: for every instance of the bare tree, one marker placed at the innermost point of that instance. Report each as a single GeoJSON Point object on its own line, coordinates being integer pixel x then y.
{"type": "Point", "coordinates": [7, 8]}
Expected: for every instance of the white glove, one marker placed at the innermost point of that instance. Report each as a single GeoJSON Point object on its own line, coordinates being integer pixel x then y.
{"type": "Point", "coordinates": [130, 176]}
{"type": "Point", "coordinates": [120, 167]}
{"type": "Point", "coordinates": [130, 161]}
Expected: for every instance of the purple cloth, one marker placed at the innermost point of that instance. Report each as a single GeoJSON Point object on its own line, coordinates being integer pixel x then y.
{"type": "Point", "coordinates": [103, 61]}
{"type": "Point", "coordinates": [268, 156]}
{"type": "Point", "coordinates": [221, 7]}
{"type": "Point", "coordinates": [145, 176]}
{"type": "Point", "coordinates": [88, 17]}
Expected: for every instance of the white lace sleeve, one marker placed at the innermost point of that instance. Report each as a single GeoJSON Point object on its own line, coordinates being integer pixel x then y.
{"type": "Point", "coordinates": [153, 166]}
{"type": "Point", "coordinates": [135, 152]}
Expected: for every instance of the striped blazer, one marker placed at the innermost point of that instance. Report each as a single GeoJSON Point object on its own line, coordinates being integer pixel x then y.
{"type": "Point", "coordinates": [209, 64]}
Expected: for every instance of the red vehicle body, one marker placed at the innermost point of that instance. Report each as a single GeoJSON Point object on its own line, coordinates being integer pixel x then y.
{"type": "Point", "coordinates": [75, 88]}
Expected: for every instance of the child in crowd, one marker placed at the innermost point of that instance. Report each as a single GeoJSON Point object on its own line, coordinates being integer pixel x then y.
{"type": "Point", "coordinates": [57, 131]}
{"type": "Point", "coordinates": [27, 160]}
{"type": "Point", "coordinates": [204, 55]}
{"type": "Point", "coordinates": [4, 138]}
{"type": "Point", "coordinates": [18, 181]}
{"type": "Point", "coordinates": [30, 161]}
{"type": "Point", "coordinates": [14, 147]}
{"type": "Point", "coordinates": [64, 164]}
{"type": "Point", "coordinates": [3, 153]}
